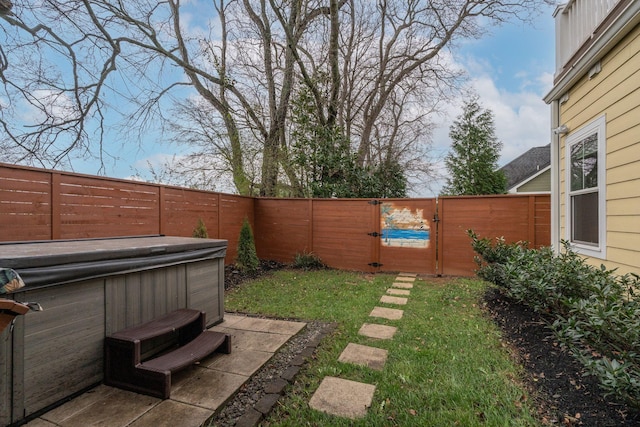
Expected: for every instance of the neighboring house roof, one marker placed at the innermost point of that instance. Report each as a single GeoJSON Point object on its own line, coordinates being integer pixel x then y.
{"type": "Point", "coordinates": [526, 166]}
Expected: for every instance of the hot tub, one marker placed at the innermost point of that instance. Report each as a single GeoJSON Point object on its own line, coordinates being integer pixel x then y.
{"type": "Point", "coordinates": [89, 289]}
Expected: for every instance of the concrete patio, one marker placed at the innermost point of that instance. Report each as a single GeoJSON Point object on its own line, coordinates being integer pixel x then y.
{"type": "Point", "coordinates": [196, 392]}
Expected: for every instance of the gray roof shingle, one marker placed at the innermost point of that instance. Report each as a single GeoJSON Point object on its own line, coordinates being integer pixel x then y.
{"type": "Point", "coordinates": [527, 165]}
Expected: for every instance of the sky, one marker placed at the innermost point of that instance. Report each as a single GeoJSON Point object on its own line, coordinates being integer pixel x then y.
{"type": "Point", "coordinates": [511, 70]}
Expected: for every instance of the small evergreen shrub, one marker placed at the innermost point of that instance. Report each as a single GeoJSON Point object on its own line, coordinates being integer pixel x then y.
{"type": "Point", "coordinates": [247, 258]}
{"type": "Point", "coordinates": [307, 261]}
{"type": "Point", "coordinates": [201, 230]}
{"type": "Point", "coordinates": [594, 312]}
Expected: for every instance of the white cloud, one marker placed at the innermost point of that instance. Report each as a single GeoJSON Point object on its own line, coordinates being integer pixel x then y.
{"type": "Point", "coordinates": [521, 118]}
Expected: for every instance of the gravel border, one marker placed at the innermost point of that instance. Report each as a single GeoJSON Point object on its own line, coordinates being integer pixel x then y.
{"type": "Point", "coordinates": [257, 397]}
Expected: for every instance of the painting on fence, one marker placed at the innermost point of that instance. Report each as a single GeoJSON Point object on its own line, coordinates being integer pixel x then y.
{"type": "Point", "coordinates": [403, 228]}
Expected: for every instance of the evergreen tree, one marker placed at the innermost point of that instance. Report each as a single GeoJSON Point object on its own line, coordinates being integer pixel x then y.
{"type": "Point", "coordinates": [473, 160]}
{"type": "Point", "coordinates": [201, 230]}
{"type": "Point", "coordinates": [326, 166]}
{"type": "Point", "coordinates": [247, 259]}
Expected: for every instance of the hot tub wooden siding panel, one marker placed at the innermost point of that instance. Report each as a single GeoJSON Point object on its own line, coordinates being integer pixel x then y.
{"type": "Point", "coordinates": [62, 346]}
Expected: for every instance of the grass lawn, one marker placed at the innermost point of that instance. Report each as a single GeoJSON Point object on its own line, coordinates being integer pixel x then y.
{"type": "Point", "coordinates": [446, 364]}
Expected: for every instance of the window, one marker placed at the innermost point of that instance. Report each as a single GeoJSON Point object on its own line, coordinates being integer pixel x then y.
{"type": "Point", "coordinates": [586, 189]}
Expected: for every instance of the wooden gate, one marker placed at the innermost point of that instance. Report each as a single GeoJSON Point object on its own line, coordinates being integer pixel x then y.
{"type": "Point", "coordinates": [341, 233]}
{"type": "Point", "coordinates": [407, 235]}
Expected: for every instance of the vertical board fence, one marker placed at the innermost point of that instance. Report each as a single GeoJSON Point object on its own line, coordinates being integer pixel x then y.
{"type": "Point", "coordinates": [420, 235]}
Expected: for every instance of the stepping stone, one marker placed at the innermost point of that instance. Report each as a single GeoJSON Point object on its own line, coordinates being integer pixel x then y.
{"type": "Point", "coordinates": [343, 398]}
{"type": "Point", "coordinates": [405, 279]}
{"type": "Point", "coordinates": [393, 291]}
{"type": "Point", "coordinates": [407, 274]}
{"type": "Point", "coordinates": [382, 332]}
{"type": "Point", "coordinates": [386, 313]}
{"type": "Point", "coordinates": [402, 285]}
{"type": "Point", "coordinates": [393, 300]}
{"type": "Point", "coordinates": [371, 357]}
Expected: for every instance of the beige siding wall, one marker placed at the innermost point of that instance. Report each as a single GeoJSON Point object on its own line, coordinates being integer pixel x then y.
{"type": "Point", "coordinates": [615, 93]}
{"type": "Point", "coordinates": [539, 184]}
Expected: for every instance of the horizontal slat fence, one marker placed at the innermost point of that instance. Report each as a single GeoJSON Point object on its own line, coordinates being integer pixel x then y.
{"type": "Point", "coordinates": [285, 228]}
{"type": "Point", "coordinates": [37, 204]}
{"type": "Point", "coordinates": [25, 204]}
{"type": "Point", "coordinates": [516, 218]}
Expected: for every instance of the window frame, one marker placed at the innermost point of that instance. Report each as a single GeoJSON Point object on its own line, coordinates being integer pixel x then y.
{"type": "Point", "coordinates": [597, 126]}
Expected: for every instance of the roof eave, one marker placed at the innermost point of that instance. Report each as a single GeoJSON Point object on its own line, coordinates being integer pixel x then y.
{"type": "Point", "coordinates": [619, 28]}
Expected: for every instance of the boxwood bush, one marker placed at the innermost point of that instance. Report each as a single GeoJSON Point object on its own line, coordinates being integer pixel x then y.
{"type": "Point", "coordinates": [594, 312]}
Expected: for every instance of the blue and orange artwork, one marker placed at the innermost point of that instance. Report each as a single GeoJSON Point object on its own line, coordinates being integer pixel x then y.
{"type": "Point", "coordinates": [403, 228]}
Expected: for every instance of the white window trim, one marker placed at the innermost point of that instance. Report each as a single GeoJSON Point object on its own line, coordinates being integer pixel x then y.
{"type": "Point", "coordinates": [597, 126]}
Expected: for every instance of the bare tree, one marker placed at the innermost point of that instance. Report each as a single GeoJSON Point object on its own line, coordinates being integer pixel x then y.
{"type": "Point", "coordinates": [71, 68]}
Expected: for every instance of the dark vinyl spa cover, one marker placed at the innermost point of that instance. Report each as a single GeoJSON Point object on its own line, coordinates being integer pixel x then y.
{"type": "Point", "coordinates": [52, 262]}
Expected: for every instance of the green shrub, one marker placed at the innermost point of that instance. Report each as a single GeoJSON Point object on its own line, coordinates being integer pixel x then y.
{"type": "Point", "coordinates": [247, 258]}
{"type": "Point", "coordinates": [201, 230]}
{"type": "Point", "coordinates": [307, 261]}
{"type": "Point", "coordinates": [493, 258]}
{"type": "Point", "coordinates": [603, 332]}
{"type": "Point", "coordinates": [594, 312]}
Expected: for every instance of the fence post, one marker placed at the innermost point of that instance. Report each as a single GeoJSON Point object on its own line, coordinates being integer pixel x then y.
{"type": "Point", "coordinates": [55, 189]}
{"type": "Point", "coordinates": [162, 216]}
{"type": "Point", "coordinates": [532, 221]}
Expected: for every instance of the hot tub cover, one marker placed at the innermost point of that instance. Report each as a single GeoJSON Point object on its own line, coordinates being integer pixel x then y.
{"type": "Point", "coordinates": [52, 262]}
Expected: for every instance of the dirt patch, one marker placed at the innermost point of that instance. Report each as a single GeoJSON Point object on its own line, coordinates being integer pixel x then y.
{"type": "Point", "coordinates": [233, 276]}
{"type": "Point", "coordinates": [566, 396]}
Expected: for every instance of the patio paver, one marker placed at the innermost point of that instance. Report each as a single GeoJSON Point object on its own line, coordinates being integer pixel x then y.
{"type": "Point", "coordinates": [108, 406]}
{"type": "Point", "coordinates": [382, 332]}
{"type": "Point", "coordinates": [364, 355]}
{"type": "Point", "coordinates": [241, 361]}
{"type": "Point", "coordinates": [171, 413]}
{"type": "Point", "coordinates": [405, 279]}
{"type": "Point", "coordinates": [252, 340]}
{"type": "Point", "coordinates": [207, 389]}
{"type": "Point", "coordinates": [343, 398]}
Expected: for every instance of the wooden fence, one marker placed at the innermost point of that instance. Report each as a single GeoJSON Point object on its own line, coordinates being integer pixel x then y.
{"type": "Point", "coordinates": [37, 204]}
{"type": "Point", "coordinates": [354, 234]}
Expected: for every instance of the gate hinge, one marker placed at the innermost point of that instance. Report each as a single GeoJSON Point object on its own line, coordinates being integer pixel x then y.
{"type": "Point", "coordinates": [374, 202]}
{"type": "Point", "coordinates": [374, 234]}
{"type": "Point", "coordinates": [375, 264]}
{"type": "Point", "coordinates": [436, 218]}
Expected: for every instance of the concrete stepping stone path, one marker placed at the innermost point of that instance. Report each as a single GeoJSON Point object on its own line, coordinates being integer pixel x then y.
{"type": "Point", "coordinates": [393, 300]}
{"type": "Point", "coordinates": [387, 313]}
{"type": "Point", "coordinates": [358, 354]}
{"type": "Point", "coordinates": [343, 398]}
{"type": "Point", "coordinates": [403, 285]}
{"type": "Point", "coordinates": [407, 274]}
{"type": "Point", "coordinates": [382, 332]}
{"type": "Point", "coordinates": [351, 399]}
{"type": "Point", "coordinates": [394, 291]}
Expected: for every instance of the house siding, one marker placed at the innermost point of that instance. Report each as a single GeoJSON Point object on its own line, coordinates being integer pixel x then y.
{"type": "Point", "coordinates": [615, 93]}
{"type": "Point", "coordinates": [539, 184]}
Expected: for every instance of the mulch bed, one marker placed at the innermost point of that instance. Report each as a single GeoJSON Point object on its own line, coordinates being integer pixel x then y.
{"type": "Point", "coordinates": [564, 395]}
